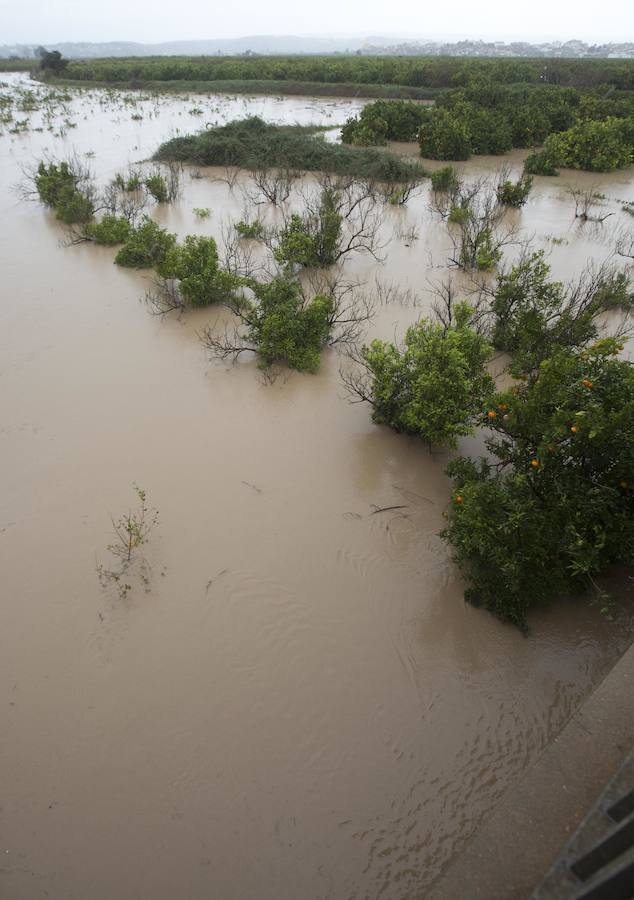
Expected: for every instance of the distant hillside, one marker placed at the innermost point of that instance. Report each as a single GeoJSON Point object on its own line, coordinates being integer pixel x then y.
{"type": "Point", "coordinates": [264, 44]}
{"type": "Point", "coordinates": [285, 45]}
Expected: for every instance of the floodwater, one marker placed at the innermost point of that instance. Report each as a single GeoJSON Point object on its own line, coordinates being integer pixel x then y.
{"type": "Point", "coordinates": [296, 703]}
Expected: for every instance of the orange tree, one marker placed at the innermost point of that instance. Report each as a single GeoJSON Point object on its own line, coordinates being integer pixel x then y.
{"type": "Point", "coordinates": [553, 504]}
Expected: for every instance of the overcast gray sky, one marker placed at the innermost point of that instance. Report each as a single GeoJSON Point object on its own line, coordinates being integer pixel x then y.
{"type": "Point", "coordinates": [37, 21]}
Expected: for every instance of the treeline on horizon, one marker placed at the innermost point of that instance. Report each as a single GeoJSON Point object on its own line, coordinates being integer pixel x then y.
{"type": "Point", "coordinates": [425, 72]}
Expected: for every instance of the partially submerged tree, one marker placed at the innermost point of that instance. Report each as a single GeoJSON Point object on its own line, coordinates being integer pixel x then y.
{"type": "Point", "coordinates": [339, 219]}
{"type": "Point", "coordinates": [285, 323]}
{"type": "Point", "coordinates": [192, 276]}
{"type": "Point", "coordinates": [271, 185]}
{"type": "Point", "coordinates": [146, 247]}
{"type": "Point", "coordinates": [533, 314]}
{"type": "Point", "coordinates": [553, 506]}
{"type": "Point", "coordinates": [434, 385]}
{"type": "Point", "coordinates": [110, 231]}
{"type": "Point", "coordinates": [67, 187]}
{"type": "Point", "coordinates": [586, 202]}
{"type": "Point", "coordinates": [513, 193]}
{"type": "Point", "coordinates": [475, 223]}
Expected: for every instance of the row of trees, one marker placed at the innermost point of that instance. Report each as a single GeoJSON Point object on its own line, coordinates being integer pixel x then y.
{"type": "Point", "coordinates": [69, 188]}
{"type": "Point", "coordinates": [436, 72]}
{"type": "Point", "coordinates": [282, 319]}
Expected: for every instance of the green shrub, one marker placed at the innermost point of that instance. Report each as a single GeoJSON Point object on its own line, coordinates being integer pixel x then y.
{"type": "Point", "coordinates": [110, 230]}
{"type": "Point", "coordinates": [445, 179]}
{"type": "Point", "coordinates": [534, 315]}
{"type": "Point", "coordinates": [157, 187]}
{"type": "Point", "coordinates": [254, 230]}
{"type": "Point", "coordinates": [195, 264]}
{"type": "Point", "coordinates": [595, 146]}
{"type": "Point", "coordinates": [554, 506]}
{"type": "Point", "coordinates": [489, 129]}
{"type": "Point", "coordinates": [435, 385]}
{"type": "Point", "coordinates": [74, 207]}
{"type": "Point", "coordinates": [286, 329]}
{"type": "Point", "coordinates": [312, 239]}
{"type": "Point", "coordinates": [52, 180]}
{"type": "Point", "coordinates": [146, 247]}
{"type": "Point", "coordinates": [616, 293]}
{"type": "Point", "coordinates": [483, 252]}
{"type": "Point", "coordinates": [58, 186]}
{"type": "Point", "coordinates": [458, 214]}
{"type": "Point", "coordinates": [444, 136]}
{"type": "Point", "coordinates": [384, 120]}
{"type": "Point", "coordinates": [542, 163]}
{"type": "Point", "coordinates": [131, 182]}
{"type": "Point", "coordinates": [515, 193]}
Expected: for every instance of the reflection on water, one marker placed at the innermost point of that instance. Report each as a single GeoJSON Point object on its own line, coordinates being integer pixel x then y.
{"type": "Point", "coordinates": [302, 706]}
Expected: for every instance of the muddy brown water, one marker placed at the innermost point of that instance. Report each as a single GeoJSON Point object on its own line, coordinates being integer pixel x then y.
{"type": "Point", "coordinates": [298, 704]}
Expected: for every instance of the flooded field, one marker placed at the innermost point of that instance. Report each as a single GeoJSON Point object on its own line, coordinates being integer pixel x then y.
{"type": "Point", "coordinates": [298, 703]}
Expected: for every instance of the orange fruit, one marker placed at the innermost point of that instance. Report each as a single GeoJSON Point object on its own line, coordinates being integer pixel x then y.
{"type": "Point", "coordinates": [492, 414]}
{"type": "Point", "coordinates": [573, 428]}
{"type": "Point", "coordinates": [459, 498]}
{"type": "Point", "coordinates": [535, 463]}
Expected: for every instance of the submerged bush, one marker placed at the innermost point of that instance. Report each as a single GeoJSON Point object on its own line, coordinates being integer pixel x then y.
{"type": "Point", "coordinates": [445, 179]}
{"type": "Point", "coordinates": [312, 240]}
{"type": "Point", "coordinates": [58, 186]}
{"type": "Point", "coordinates": [284, 327]}
{"type": "Point", "coordinates": [541, 163]}
{"type": "Point", "coordinates": [533, 315]}
{"type": "Point", "coordinates": [53, 180]}
{"type": "Point", "coordinates": [74, 207]}
{"type": "Point", "coordinates": [616, 293]}
{"type": "Point", "coordinates": [484, 252]}
{"type": "Point", "coordinates": [110, 230]}
{"type": "Point", "coordinates": [254, 230]}
{"type": "Point", "coordinates": [146, 246]}
{"type": "Point", "coordinates": [194, 264]}
{"type": "Point", "coordinates": [515, 193]}
{"type": "Point", "coordinates": [555, 506]}
{"type": "Point", "coordinates": [157, 187]}
{"type": "Point", "coordinates": [434, 386]}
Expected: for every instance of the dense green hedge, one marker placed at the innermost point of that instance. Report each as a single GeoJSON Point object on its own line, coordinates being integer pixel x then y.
{"type": "Point", "coordinates": [16, 65]}
{"type": "Point", "coordinates": [490, 118]}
